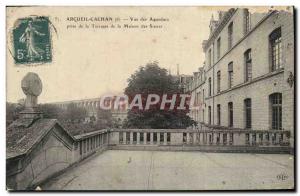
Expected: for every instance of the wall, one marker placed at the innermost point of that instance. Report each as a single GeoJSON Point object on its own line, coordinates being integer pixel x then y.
{"type": "Point", "coordinates": [263, 82]}
{"type": "Point", "coordinates": [52, 155]}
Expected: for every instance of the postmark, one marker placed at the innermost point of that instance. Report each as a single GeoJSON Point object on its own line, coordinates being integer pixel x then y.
{"type": "Point", "coordinates": [32, 40]}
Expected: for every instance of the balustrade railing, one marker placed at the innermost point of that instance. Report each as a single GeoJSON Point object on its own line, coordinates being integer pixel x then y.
{"type": "Point", "coordinates": [91, 142]}
{"type": "Point", "coordinates": [203, 136]}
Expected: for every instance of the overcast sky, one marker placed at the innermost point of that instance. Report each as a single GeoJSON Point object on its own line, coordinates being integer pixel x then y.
{"type": "Point", "coordinates": [87, 63]}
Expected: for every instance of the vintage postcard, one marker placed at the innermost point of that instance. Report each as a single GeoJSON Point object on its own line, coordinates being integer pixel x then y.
{"type": "Point", "coordinates": [150, 98]}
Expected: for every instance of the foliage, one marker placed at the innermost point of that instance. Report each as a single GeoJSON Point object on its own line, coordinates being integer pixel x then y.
{"type": "Point", "coordinates": [156, 80]}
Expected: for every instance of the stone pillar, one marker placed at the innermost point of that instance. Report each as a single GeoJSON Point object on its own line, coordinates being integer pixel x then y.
{"type": "Point", "coordinates": [221, 139]}
{"type": "Point", "coordinates": [195, 136]}
{"type": "Point", "coordinates": [187, 138]}
{"type": "Point", "coordinates": [124, 137]}
{"type": "Point", "coordinates": [200, 138]}
{"type": "Point", "coordinates": [145, 138]}
{"type": "Point", "coordinates": [277, 138]}
{"type": "Point", "coordinates": [138, 138]}
{"type": "Point", "coordinates": [258, 139]}
{"type": "Point", "coordinates": [151, 138]}
{"type": "Point", "coordinates": [158, 137]}
{"type": "Point", "coordinates": [265, 142]}
{"type": "Point", "coordinates": [165, 138]}
{"type": "Point", "coordinates": [131, 137]}
{"type": "Point", "coordinates": [250, 139]}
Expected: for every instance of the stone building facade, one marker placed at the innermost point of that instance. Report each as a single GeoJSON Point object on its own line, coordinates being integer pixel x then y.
{"type": "Point", "coordinates": [247, 80]}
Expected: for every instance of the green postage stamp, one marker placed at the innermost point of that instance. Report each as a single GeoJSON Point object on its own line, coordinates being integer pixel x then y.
{"type": "Point", "coordinates": [31, 40]}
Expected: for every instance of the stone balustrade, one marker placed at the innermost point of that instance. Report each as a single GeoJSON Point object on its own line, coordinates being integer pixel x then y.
{"type": "Point", "coordinates": [53, 157]}
{"type": "Point", "coordinates": [204, 138]}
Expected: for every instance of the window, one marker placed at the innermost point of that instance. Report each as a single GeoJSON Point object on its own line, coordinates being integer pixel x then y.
{"type": "Point", "coordinates": [203, 115]}
{"type": "Point", "coordinates": [209, 58]}
{"type": "Point", "coordinates": [276, 110]}
{"type": "Point", "coordinates": [230, 32]}
{"type": "Point", "coordinates": [247, 103]}
{"type": "Point", "coordinates": [203, 96]}
{"type": "Point", "coordinates": [247, 21]}
{"type": "Point", "coordinates": [219, 114]}
{"type": "Point", "coordinates": [198, 101]}
{"type": "Point", "coordinates": [209, 87]}
{"type": "Point", "coordinates": [248, 65]}
{"type": "Point", "coordinates": [219, 81]}
{"type": "Point", "coordinates": [230, 114]}
{"type": "Point", "coordinates": [209, 114]}
{"type": "Point", "coordinates": [276, 50]}
{"type": "Point", "coordinates": [219, 48]}
{"type": "Point", "coordinates": [230, 74]}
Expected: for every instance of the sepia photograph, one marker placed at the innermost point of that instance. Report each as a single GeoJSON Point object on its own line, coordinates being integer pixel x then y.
{"type": "Point", "coordinates": [150, 98]}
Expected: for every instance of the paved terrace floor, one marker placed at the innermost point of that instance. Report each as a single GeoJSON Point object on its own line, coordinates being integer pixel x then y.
{"type": "Point", "coordinates": [159, 170]}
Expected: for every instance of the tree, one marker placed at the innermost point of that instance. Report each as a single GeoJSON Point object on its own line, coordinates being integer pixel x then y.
{"type": "Point", "coordinates": [74, 113]}
{"type": "Point", "coordinates": [104, 119]}
{"type": "Point", "coordinates": [12, 111]}
{"type": "Point", "coordinates": [152, 79]}
{"type": "Point", "coordinates": [51, 111]}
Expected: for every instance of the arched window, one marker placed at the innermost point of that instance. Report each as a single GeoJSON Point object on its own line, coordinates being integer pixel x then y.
{"type": "Point", "coordinates": [219, 81]}
{"type": "Point", "coordinates": [276, 111]}
{"type": "Point", "coordinates": [209, 86]}
{"type": "Point", "coordinates": [248, 65]}
{"type": "Point", "coordinates": [247, 21]}
{"type": "Point", "coordinates": [230, 35]}
{"type": "Point", "coordinates": [248, 119]}
{"type": "Point", "coordinates": [219, 114]}
{"type": "Point", "coordinates": [230, 114]}
{"type": "Point", "coordinates": [209, 114]}
{"type": "Point", "coordinates": [275, 49]}
{"type": "Point", "coordinates": [230, 74]}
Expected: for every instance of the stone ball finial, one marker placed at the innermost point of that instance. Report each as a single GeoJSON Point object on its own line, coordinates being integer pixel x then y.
{"type": "Point", "coordinates": [31, 84]}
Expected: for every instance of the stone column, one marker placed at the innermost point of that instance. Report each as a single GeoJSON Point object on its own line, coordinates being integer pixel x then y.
{"type": "Point", "coordinates": [187, 138]}
{"type": "Point", "coordinates": [265, 139]}
{"type": "Point", "coordinates": [131, 137]}
{"type": "Point", "coordinates": [151, 138]}
{"type": "Point", "coordinates": [138, 138]}
{"type": "Point", "coordinates": [221, 139]}
{"type": "Point", "coordinates": [158, 137]}
{"type": "Point", "coordinates": [195, 136]}
{"type": "Point", "coordinates": [277, 138]}
{"type": "Point", "coordinates": [250, 139]}
{"type": "Point", "coordinates": [165, 138]}
{"type": "Point", "coordinates": [124, 137]}
{"type": "Point", "coordinates": [200, 138]}
{"type": "Point", "coordinates": [145, 138]}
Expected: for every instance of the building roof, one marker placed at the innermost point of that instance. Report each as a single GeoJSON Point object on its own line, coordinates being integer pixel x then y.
{"type": "Point", "coordinates": [218, 27]}
{"type": "Point", "coordinates": [23, 134]}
